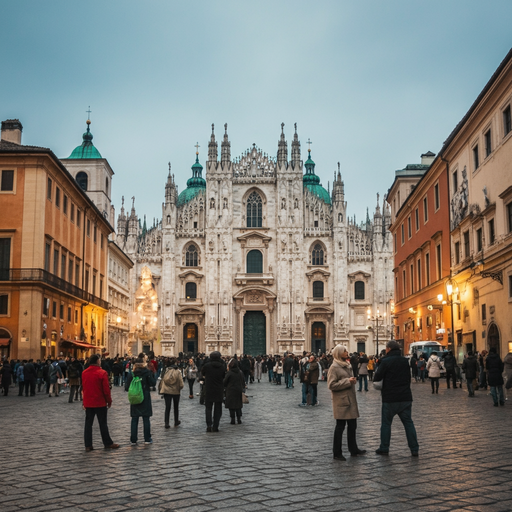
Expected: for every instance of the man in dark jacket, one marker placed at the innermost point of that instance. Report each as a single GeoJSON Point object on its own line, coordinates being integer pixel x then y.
{"type": "Point", "coordinates": [449, 364]}
{"type": "Point", "coordinates": [470, 367]}
{"type": "Point", "coordinates": [213, 374]}
{"type": "Point", "coordinates": [396, 397]}
{"type": "Point", "coordinates": [494, 367]}
{"type": "Point", "coordinates": [30, 378]}
{"type": "Point", "coordinates": [287, 370]}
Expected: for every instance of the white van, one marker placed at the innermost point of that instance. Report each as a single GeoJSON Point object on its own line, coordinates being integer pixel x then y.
{"type": "Point", "coordinates": [426, 348]}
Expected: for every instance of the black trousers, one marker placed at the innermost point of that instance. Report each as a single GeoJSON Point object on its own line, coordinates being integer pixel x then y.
{"type": "Point", "coordinates": [73, 393]}
{"type": "Point", "coordinates": [435, 383]}
{"type": "Point", "coordinates": [351, 436]}
{"type": "Point", "coordinates": [176, 401]}
{"type": "Point", "coordinates": [217, 413]}
{"type": "Point", "coordinates": [237, 412]}
{"type": "Point", "coordinates": [451, 375]}
{"type": "Point", "coordinates": [191, 386]}
{"type": "Point", "coordinates": [101, 413]}
{"type": "Point", "coordinates": [30, 385]}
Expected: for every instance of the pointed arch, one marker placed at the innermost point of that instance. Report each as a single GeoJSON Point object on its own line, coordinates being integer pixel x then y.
{"type": "Point", "coordinates": [191, 255]}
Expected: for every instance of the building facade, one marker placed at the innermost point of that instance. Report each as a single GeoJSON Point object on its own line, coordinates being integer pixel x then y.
{"type": "Point", "coordinates": [257, 257]}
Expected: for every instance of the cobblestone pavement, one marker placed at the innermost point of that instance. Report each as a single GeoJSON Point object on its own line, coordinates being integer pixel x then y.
{"type": "Point", "coordinates": [279, 459]}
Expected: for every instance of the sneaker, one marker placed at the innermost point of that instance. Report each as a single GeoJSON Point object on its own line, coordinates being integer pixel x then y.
{"type": "Point", "coordinates": [302, 405]}
{"type": "Point", "coordinates": [415, 454]}
{"type": "Point", "coordinates": [149, 442]}
{"type": "Point", "coordinates": [134, 444]}
{"type": "Point", "coordinates": [177, 423]}
{"type": "Point", "coordinates": [339, 457]}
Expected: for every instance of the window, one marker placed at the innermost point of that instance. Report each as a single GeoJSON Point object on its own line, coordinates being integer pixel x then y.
{"type": "Point", "coordinates": [86, 284]}
{"type": "Point", "coordinates": [101, 287]}
{"type": "Point", "coordinates": [69, 314]}
{"type": "Point", "coordinates": [403, 234]}
{"type": "Point", "coordinates": [404, 284]}
{"type": "Point", "coordinates": [94, 284]}
{"type": "Point", "coordinates": [476, 161]}
{"type": "Point", "coordinates": [509, 217]}
{"type": "Point", "coordinates": [65, 205]}
{"type": "Point", "coordinates": [46, 306]}
{"type": "Point", "coordinates": [488, 146]}
{"type": "Point", "coordinates": [318, 290]}
{"type": "Point", "coordinates": [427, 268]}
{"type": "Point", "coordinates": [418, 267]}
{"type": "Point", "coordinates": [57, 197]}
{"type": "Point", "coordinates": [72, 213]}
{"type": "Point", "coordinates": [510, 286]}
{"type": "Point", "coordinates": [54, 309]}
{"type": "Point", "coordinates": [492, 234]}
{"type": "Point", "coordinates": [76, 316]}
{"type": "Point", "coordinates": [438, 262]}
{"type": "Point", "coordinates": [479, 239]}
{"type": "Point", "coordinates": [191, 256]}
{"type": "Point", "coordinates": [455, 181]}
{"type": "Point", "coordinates": [82, 179]}
{"type": "Point", "coordinates": [412, 277]}
{"type": "Point", "coordinates": [56, 262]}
{"type": "Point", "coordinates": [47, 255]}
{"type": "Point", "coordinates": [49, 190]}
{"type": "Point", "coordinates": [70, 271]}
{"type": "Point", "coordinates": [484, 313]}
{"type": "Point", "coordinates": [317, 255]}
{"type": "Point", "coordinates": [61, 311]}
{"type": "Point", "coordinates": [409, 228]}
{"type": "Point", "coordinates": [88, 228]}
{"type": "Point", "coordinates": [63, 266]}
{"type": "Point", "coordinates": [315, 223]}
{"type": "Point", "coordinates": [195, 224]}
{"type": "Point", "coordinates": [254, 262]}
{"type": "Point", "coordinates": [101, 241]}
{"type": "Point", "coordinates": [4, 304]}
{"type": "Point", "coordinates": [425, 210]}
{"type": "Point", "coordinates": [77, 274]}
{"type": "Point", "coordinates": [466, 244]}
{"type": "Point", "coordinates": [191, 290]}
{"type": "Point", "coordinates": [359, 290]}
{"type": "Point", "coordinates": [436, 196]}
{"type": "Point", "coordinates": [254, 211]}
{"type": "Point", "coordinates": [457, 253]}
{"type": "Point", "coordinates": [78, 217]}
{"type": "Point", "coordinates": [507, 121]}
{"type": "Point", "coordinates": [95, 234]}
{"type": "Point", "coordinates": [417, 218]}
{"type": "Point", "coordinates": [7, 182]}
{"type": "Point", "coordinates": [5, 258]}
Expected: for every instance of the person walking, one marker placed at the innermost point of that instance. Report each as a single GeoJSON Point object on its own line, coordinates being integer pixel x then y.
{"type": "Point", "coordinates": [287, 370]}
{"type": "Point", "coordinates": [422, 365]}
{"type": "Point", "coordinates": [144, 409]}
{"type": "Point", "coordinates": [371, 367]}
{"type": "Point", "coordinates": [278, 371]}
{"type": "Point", "coordinates": [258, 367]}
{"type": "Point", "coordinates": [54, 374]}
{"type": "Point", "coordinates": [450, 365]}
{"type": "Point", "coordinates": [341, 382]}
{"type": "Point", "coordinates": [213, 373]}
{"type": "Point", "coordinates": [413, 363]}
{"type": "Point", "coordinates": [362, 370]}
{"type": "Point", "coordinates": [6, 377]}
{"type": "Point", "coordinates": [234, 384]}
{"type": "Point", "coordinates": [434, 367]}
{"type": "Point", "coordinates": [245, 366]}
{"type": "Point", "coordinates": [170, 387]}
{"type": "Point", "coordinates": [470, 367]}
{"type": "Point", "coordinates": [507, 368]}
{"type": "Point", "coordinates": [74, 373]}
{"type": "Point", "coordinates": [96, 402]}
{"type": "Point", "coordinates": [191, 373]}
{"type": "Point", "coordinates": [483, 370]}
{"type": "Point", "coordinates": [395, 374]}
{"type": "Point", "coordinates": [494, 367]}
{"type": "Point", "coordinates": [20, 377]}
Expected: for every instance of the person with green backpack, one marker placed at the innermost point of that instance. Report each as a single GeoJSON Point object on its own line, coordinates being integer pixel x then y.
{"type": "Point", "coordinates": [139, 384]}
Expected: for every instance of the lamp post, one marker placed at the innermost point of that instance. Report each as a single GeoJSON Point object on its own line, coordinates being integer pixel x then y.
{"type": "Point", "coordinates": [451, 289]}
{"type": "Point", "coordinates": [376, 318]}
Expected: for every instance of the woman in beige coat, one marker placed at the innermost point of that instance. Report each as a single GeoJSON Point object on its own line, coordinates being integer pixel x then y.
{"type": "Point", "coordinates": [341, 382]}
{"type": "Point", "coordinates": [171, 386]}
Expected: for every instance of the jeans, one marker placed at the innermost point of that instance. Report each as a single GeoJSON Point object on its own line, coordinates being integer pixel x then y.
{"type": "Point", "coordinates": [55, 387]}
{"type": "Point", "coordinates": [495, 391]}
{"type": "Point", "coordinates": [176, 402]}
{"type": "Point", "coordinates": [278, 378]}
{"type": "Point", "coordinates": [404, 410]}
{"type": "Point", "coordinates": [21, 385]}
{"type": "Point", "coordinates": [73, 393]}
{"type": "Point", "coordinates": [287, 379]}
{"type": "Point", "coordinates": [30, 386]}
{"type": "Point", "coordinates": [101, 413]}
{"type": "Point", "coordinates": [117, 378]}
{"type": "Point", "coordinates": [421, 375]}
{"type": "Point", "coordinates": [217, 413]}
{"type": "Point", "coordinates": [471, 391]}
{"type": "Point", "coordinates": [351, 437]}
{"type": "Point", "coordinates": [309, 388]}
{"type": "Point", "coordinates": [191, 386]}
{"type": "Point", "coordinates": [435, 383]}
{"type": "Point", "coordinates": [270, 375]}
{"type": "Point", "coordinates": [365, 379]}
{"type": "Point", "coordinates": [135, 428]}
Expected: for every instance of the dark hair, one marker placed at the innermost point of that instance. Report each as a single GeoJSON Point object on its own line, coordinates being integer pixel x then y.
{"type": "Point", "coordinates": [393, 345]}
{"type": "Point", "coordinates": [215, 355]}
{"type": "Point", "coordinates": [94, 359]}
{"type": "Point", "coordinates": [492, 350]}
{"type": "Point", "coordinates": [470, 352]}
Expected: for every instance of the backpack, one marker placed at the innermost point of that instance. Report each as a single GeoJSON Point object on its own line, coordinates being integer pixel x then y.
{"type": "Point", "coordinates": [73, 372]}
{"type": "Point", "coordinates": [135, 393]}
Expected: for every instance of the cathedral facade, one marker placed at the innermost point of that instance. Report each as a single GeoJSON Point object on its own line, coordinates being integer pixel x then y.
{"type": "Point", "coordinates": [257, 257]}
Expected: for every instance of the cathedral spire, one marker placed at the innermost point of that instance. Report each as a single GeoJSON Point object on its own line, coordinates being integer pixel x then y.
{"type": "Point", "coordinates": [212, 147]}
{"type": "Point", "coordinates": [295, 149]}
{"type": "Point", "coordinates": [225, 156]}
{"type": "Point", "coordinates": [282, 149]}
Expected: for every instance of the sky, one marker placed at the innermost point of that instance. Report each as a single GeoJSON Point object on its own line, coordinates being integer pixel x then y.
{"type": "Point", "coordinates": [373, 84]}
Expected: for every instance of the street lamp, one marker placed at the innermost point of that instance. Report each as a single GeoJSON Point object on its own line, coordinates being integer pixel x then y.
{"type": "Point", "coordinates": [451, 289]}
{"type": "Point", "coordinates": [376, 318]}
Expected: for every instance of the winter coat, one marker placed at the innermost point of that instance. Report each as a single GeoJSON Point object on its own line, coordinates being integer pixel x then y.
{"type": "Point", "coordinates": [95, 387]}
{"type": "Point", "coordinates": [234, 383]}
{"type": "Point", "coordinates": [314, 372]}
{"type": "Point", "coordinates": [507, 364]}
{"type": "Point", "coordinates": [30, 372]}
{"type": "Point", "coordinates": [245, 364]}
{"type": "Point", "coordinates": [288, 364]}
{"type": "Point", "coordinates": [354, 361]}
{"type": "Point", "coordinates": [434, 366]}
{"type": "Point", "coordinates": [213, 373]}
{"type": "Point", "coordinates": [470, 366]}
{"type": "Point", "coordinates": [6, 375]}
{"type": "Point", "coordinates": [363, 366]}
{"type": "Point", "coordinates": [172, 381]}
{"type": "Point", "coordinates": [344, 401]}
{"type": "Point", "coordinates": [54, 373]}
{"type": "Point", "coordinates": [191, 372]}
{"type": "Point", "coordinates": [449, 362]}
{"type": "Point", "coordinates": [395, 372]}
{"type": "Point", "coordinates": [258, 370]}
{"type": "Point", "coordinates": [145, 408]}
{"type": "Point", "coordinates": [74, 372]}
{"type": "Point", "coordinates": [494, 367]}
{"type": "Point", "coordinates": [278, 368]}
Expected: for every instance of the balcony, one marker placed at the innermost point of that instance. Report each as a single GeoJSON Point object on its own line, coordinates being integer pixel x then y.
{"type": "Point", "coordinates": [319, 301]}
{"type": "Point", "coordinates": [262, 279]}
{"type": "Point", "coordinates": [38, 275]}
{"type": "Point", "coordinates": [190, 302]}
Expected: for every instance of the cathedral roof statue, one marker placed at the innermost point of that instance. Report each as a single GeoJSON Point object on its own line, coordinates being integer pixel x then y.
{"type": "Point", "coordinates": [86, 149]}
{"type": "Point", "coordinates": [195, 184]}
{"type": "Point", "coordinates": [312, 182]}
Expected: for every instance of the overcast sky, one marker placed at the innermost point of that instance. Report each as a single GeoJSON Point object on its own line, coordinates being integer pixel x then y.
{"type": "Point", "coordinates": [372, 83]}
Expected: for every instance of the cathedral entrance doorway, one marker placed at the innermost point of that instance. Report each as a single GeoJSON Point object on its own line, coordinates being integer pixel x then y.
{"type": "Point", "coordinates": [255, 329]}
{"type": "Point", "coordinates": [190, 338]}
{"type": "Point", "coordinates": [318, 338]}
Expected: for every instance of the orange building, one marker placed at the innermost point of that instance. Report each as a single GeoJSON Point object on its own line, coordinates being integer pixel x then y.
{"type": "Point", "coordinates": [421, 241]}
{"type": "Point", "coordinates": [53, 256]}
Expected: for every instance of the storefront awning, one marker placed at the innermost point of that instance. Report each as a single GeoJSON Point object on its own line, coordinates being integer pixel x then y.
{"type": "Point", "coordinates": [4, 342]}
{"type": "Point", "coordinates": [78, 344]}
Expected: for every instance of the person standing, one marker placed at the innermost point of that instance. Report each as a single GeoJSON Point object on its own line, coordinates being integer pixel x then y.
{"type": "Point", "coordinates": [54, 374]}
{"type": "Point", "coordinates": [483, 370]}
{"type": "Point", "coordinates": [20, 377]}
{"type": "Point", "coordinates": [287, 370]}
{"type": "Point", "coordinates": [234, 384]}
{"type": "Point", "coordinates": [96, 402]}
{"type": "Point", "coordinates": [341, 382]}
{"type": "Point", "coordinates": [213, 373]}
{"type": "Point", "coordinates": [278, 371]}
{"type": "Point", "coordinates": [145, 408]}
{"type": "Point", "coordinates": [171, 386]}
{"type": "Point", "coordinates": [450, 364]}
{"type": "Point", "coordinates": [6, 377]}
{"type": "Point", "coordinates": [494, 367]}
{"type": "Point", "coordinates": [258, 367]}
{"type": "Point", "coordinates": [191, 373]}
{"type": "Point", "coordinates": [30, 378]}
{"type": "Point", "coordinates": [245, 366]}
{"type": "Point", "coordinates": [434, 366]}
{"type": "Point", "coordinates": [395, 373]}
{"type": "Point", "coordinates": [362, 371]}
{"type": "Point", "coordinates": [371, 367]}
{"type": "Point", "coordinates": [470, 367]}
{"type": "Point", "coordinates": [74, 372]}
{"type": "Point", "coordinates": [413, 363]}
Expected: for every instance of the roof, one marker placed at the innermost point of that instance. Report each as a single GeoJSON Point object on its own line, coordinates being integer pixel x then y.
{"type": "Point", "coordinates": [188, 194]}
{"type": "Point", "coordinates": [312, 182]}
{"type": "Point", "coordinates": [86, 149]}
{"type": "Point", "coordinates": [194, 185]}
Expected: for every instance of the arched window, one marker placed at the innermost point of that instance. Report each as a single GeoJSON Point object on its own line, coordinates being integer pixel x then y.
{"type": "Point", "coordinates": [359, 290]}
{"type": "Point", "coordinates": [191, 256]}
{"type": "Point", "coordinates": [191, 290]}
{"type": "Point", "coordinates": [340, 217]}
{"type": "Point", "coordinates": [106, 186]}
{"type": "Point", "coordinates": [318, 290]}
{"type": "Point", "coordinates": [254, 211]}
{"type": "Point", "coordinates": [82, 179]}
{"type": "Point", "coordinates": [254, 262]}
{"type": "Point", "coordinates": [317, 255]}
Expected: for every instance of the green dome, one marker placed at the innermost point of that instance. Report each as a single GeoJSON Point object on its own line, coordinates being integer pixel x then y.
{"type": "Point", "coordinates": [312, 182]}
{"type": "Point", "coordinates": [194, 185]}
{"type": "Point", "coordinates": [319, 191]}
{"type": "Point", "coordinates": [86, 149]}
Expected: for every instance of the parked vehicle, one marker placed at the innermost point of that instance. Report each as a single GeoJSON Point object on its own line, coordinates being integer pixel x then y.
{"type": "Point", "coordinates": [426, 348]}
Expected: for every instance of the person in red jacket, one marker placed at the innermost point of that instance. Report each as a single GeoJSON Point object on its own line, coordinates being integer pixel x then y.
{"type": "Point", "coordinates": [96, 401]}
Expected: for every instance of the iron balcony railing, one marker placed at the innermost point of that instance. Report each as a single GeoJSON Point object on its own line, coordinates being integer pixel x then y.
{"type": "Point", "coordinates": [42, 276]}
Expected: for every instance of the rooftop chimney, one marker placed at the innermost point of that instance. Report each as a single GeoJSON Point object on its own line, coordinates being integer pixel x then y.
{"type": "Point", "coordinates": [427, 158]}
{"type": "Point", "coordinates": [11, 130]}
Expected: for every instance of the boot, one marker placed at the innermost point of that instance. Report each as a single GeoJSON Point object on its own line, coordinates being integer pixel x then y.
{"type": "Point", "coordinates": [232, 421]}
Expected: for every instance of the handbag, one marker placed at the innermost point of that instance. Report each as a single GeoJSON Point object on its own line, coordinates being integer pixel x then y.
{"type": "Point", "coordinates": [245, 399]}
{"type": "Point", "coordinates": [378, 385]}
